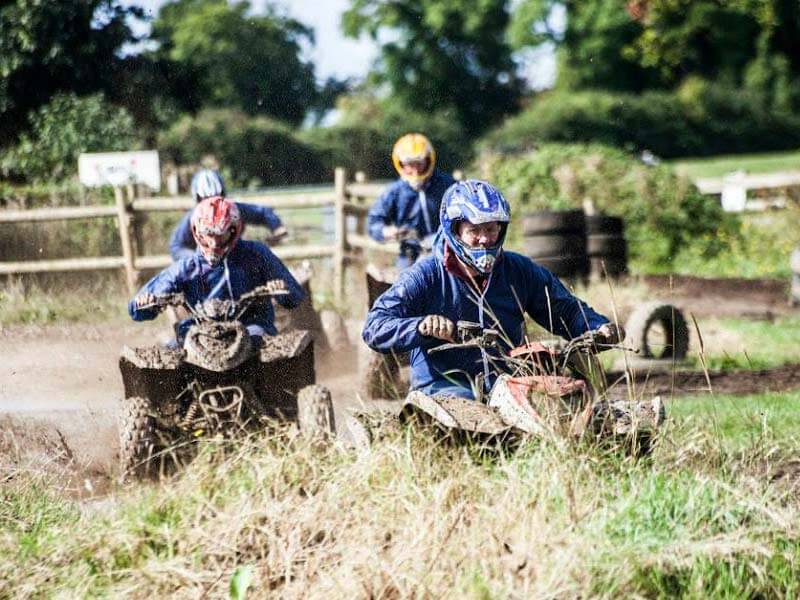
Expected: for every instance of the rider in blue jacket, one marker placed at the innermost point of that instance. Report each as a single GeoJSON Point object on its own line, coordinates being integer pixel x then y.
{"type": "Point", "coordinates": [207, 184]}
{"type": "Point", "coordinates": [408, 211]}
{"type": "Point", "coordinates": [470, 277]}
{"type": "Point", "coordinates": [222, 266]}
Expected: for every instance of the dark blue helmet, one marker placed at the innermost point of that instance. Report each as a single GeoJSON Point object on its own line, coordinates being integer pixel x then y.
{"type": "Point", "coordinates": [477, 202]}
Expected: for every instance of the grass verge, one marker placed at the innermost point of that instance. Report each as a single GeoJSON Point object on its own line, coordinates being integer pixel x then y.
{"type": "Point", "coordinates": [719, 166]}
{"type": "Point", "coordinates": [706, 516]}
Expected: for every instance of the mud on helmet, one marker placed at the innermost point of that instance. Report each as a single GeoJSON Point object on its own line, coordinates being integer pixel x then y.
{"type": "Point", "coordinates": [216, 227]}
{"type": "Point", "coordinates": [414, 147]}
{"type": "Point", "coordinates": [477, 202]}
{"type": "Point", "coordinates": [207, 183]}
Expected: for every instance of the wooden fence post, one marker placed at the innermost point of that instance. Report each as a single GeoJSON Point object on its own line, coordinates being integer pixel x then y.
{"type": "Point", "coordinates": [124, 222]}
{"type": "Point", "coordinates": [340, 231]}
{"type": "Point", "coordinates": [361, 218]}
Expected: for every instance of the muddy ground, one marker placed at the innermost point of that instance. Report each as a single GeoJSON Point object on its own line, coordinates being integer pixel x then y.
{"type": "Point", "coordinates": [60, 386]}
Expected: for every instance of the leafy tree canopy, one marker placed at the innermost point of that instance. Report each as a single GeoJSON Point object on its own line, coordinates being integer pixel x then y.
{"type": "Point", "coordinates": [47, 47]}
{"type": "Point", "coordinates": [238, 59]}
{"type": "Point", "coordinates": [449, 55]}
{"type": "Point", "coordinates": [645, 44]}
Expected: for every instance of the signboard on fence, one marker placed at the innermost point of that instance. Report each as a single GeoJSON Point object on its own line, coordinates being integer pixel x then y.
{"type": "Point", "coordinates": [96, 169]}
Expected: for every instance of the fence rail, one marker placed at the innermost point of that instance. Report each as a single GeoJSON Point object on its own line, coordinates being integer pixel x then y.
{"type": "Point", "coordinates": [348, 199]}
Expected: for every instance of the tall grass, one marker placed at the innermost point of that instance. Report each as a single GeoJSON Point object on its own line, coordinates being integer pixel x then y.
{"type": "Point", "coordinates": [418, 518]}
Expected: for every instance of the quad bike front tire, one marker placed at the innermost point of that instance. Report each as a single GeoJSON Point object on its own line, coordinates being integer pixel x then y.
{"type": "Point", "coordinates": [138, 441]}
{"type": "Point", "coordinates": [315, 411]}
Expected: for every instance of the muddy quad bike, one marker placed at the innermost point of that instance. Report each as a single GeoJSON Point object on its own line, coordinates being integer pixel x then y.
{"type": "Point", "coordinates": [544, 389]}
{"type": "Point", "coordinates": [220, 381]}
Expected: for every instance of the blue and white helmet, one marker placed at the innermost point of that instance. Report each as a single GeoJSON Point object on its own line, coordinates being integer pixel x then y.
{"type": "Point", "coordinates": [207, 183]}
{"type": "Point", "coordinates": [477, 202]}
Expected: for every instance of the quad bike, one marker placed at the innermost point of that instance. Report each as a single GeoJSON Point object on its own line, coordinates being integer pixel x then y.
{"type": "Point", "coordinates": [220, 381]}
{"type": "Point", "coordinates": [548, 390]}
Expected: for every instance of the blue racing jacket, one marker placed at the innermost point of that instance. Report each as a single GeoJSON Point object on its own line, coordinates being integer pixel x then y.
{"type": "Point", "coordinates": [401, 205]}
{"type": "Point", "coordinates": [182, 244]}
{"type": "Point", "coordinates": [517, 285]}
{"type": "Point", "coordinates": [247, 266]}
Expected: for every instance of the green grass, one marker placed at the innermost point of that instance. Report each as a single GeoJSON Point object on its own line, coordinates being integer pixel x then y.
{"type": "Point", "coordinates": [744, 421]}
{"type": "Point", "coordinates": [102, 298]}
{"type": "Point", "coordinates": [718, 166]}
{"type": "Point", "coordinates": [415, 518]}
{"type": "Point", "coordinates": [732, 343]}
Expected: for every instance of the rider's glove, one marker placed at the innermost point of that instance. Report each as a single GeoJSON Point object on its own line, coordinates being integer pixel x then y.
{"type": "Point", "coordinates": [438, 327]}
{"type": "Point", "coordinates": [610, 333]}
{"type": "Point", "coordinates": [275, 286]}
{"type": "Point", "coordinates": [391, 232]}
{"type": "Point", "coordinates": [277, 235]}
{"type": "Point", "coordinates": [144, 299]}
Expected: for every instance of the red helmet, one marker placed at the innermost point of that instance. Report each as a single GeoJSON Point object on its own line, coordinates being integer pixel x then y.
{"type": "Point", "coordinates": [216, 227]}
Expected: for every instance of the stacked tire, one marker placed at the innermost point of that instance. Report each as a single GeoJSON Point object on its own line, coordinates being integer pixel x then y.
{"type": "Point", "coordinates": [556, 240]}
{"type": "Point", "coordinates": [606, 246]}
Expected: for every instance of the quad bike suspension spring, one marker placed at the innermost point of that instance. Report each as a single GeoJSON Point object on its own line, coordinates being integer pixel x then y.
{"type": "Point", "coordinates": [191, 413]}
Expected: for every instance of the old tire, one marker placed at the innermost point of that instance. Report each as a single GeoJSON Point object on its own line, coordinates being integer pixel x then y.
{"type": "Point", "coordinates": [671, 319]}
{"type": "Point", "coordinates": [315, 411]}
{"type": "Point", "coordinates": [335, 330]}
{"type": "Point", "coordinates": [606, 245]}
{"type": "Point", "coordinates": [564, 266]}
{"type": "Point", "coordinates": [380, 375]}
{"type": "Point", "coordinates": [549, 222]}
{"type": "Point", "coordinates": [604, 225]}
{"type": "Point", "coordinates": [569, 244]}
{"type": "Point", "coordinates": [138, 439]}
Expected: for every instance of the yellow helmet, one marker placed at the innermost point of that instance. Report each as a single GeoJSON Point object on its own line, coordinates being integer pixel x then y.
{"type": "Point", "coordinates": [410, 148]}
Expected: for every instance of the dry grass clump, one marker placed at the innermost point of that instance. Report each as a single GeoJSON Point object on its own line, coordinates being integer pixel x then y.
{"type": "Point", "coordinates": [414, 518]}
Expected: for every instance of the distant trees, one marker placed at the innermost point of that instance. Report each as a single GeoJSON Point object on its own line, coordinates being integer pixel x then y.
{"type": "Point", "coordinates": [443, 55]}
{"type": "Point", "coordinates": [48, 47]}
{"type": "Point", "coordinates": [236, 59]}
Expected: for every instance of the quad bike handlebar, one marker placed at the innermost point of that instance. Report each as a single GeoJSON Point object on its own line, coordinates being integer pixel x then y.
{"type": "Point", "coordinates": [472, 335]}
{"type": "Point", "coordinates": [215, 309]}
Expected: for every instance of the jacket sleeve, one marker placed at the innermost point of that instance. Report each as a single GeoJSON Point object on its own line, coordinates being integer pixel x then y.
{"type": "Point", "coordinates": [275, 269]}
{"type": "Point", "coordinates": [383, 212]}
{"type": "Point", "coordinates": [169, 281]}
{"type": "Point", "coordinates": [259, 215]}
{"type": "Point", "coordinates": [392, 322]}
{"type": "Point", "coordinates": [552, 306]}
{"type": "Point", "coordinates": [182, 244]}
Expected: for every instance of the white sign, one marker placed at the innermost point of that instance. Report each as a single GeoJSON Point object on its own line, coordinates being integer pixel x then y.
{"type": "Point", "coordinates": [96, 169]}
{"type": "Point", "coordinates": [734, 192]}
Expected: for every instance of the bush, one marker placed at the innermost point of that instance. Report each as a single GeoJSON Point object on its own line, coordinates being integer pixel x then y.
{"type": "Point", "coordinates": [249, 148]}
{"type": "Point", "coordinates": [363, 138]}
{"type": "Point", "coordinates": [664, 213]}
{"type": "Point", "coordinates": [700, 119]}
{"type": "Point", "coordinates": [61, 130]}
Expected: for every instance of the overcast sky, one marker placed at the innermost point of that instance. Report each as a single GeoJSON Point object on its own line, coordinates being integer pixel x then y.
{"type": "Point", "coordinates": [335, 55]}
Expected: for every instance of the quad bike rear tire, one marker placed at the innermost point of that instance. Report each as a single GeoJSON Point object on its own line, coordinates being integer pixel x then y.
{"type": "Point", "coordinates": [138, 439]}
{"type": "Point", "coordinates": [315, 411]}
{"type": "Point", "coordinates": [335, 330]}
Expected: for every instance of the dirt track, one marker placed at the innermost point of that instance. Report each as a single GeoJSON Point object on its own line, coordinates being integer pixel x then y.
{"type": "Point", "coordinates": [60, 385]}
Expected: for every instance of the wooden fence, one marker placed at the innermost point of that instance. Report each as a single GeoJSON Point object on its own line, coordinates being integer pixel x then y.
{"type": "Point", "coordinates": [350, 202]}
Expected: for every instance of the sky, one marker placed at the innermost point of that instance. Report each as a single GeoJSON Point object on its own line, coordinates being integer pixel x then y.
{"type": "Point", "coordinates": [336, 56]}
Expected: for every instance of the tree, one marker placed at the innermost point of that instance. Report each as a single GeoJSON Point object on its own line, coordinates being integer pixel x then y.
{"type": "Point", "coordinates": [47, 47]}
{"type": "Point", "coordinates": [590, 47]}
{"type": "Point", "coordinates": [447, 55]}
{"type": "Point", "coordinates": [61, 130]}
{"type": "Point", "coordinates": [238, 59]}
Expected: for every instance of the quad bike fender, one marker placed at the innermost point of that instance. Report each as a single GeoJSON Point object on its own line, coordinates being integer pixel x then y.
{"type": "Point", "coordinates": [290, 344]}
{"type": "Point", "coordinates": [454, 413]}
{"type": "Point", "coordinates": [536, 404]}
